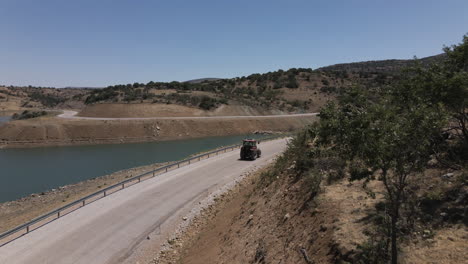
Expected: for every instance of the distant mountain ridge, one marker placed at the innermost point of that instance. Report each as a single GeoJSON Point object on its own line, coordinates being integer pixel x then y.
{"type": "Point", "coordinates": [202, 80]}
{"type": "Point", "coordinates": [383, 66]}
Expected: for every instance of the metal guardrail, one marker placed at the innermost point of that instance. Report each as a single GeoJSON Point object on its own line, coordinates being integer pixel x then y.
{"type": "Point", "coordinates": [36, 223]}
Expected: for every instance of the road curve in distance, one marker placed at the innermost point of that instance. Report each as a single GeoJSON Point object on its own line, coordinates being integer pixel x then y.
{"type": "Point", "coordinates": [69, 114]}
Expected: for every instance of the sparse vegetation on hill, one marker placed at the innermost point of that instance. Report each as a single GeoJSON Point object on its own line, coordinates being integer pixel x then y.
{"type": "Point", "coordinates": [28, 114]}
{"type": "Point", "coordinates": [382, 66]}
{"type": "Point", "coordinates": [257, 90]}
{"type": "Point", "coordinates": [42, 97]}
{"type": "Point", "coordinates": [46, 100]}
{"type": "Point", "coordinates": [293, 90]}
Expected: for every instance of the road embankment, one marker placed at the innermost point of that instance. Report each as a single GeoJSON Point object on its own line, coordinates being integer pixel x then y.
{"type": "Point", "coordinates": [57, 132]}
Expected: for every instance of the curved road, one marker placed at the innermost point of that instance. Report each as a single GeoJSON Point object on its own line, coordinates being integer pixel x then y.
{"type": "Point", "coordinates": [115, 228]}
{"type": "Point", "coordinates": [68, 114]}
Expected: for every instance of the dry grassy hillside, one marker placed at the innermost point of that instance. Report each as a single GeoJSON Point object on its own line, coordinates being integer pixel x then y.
{"type": "Point", "coordinates": [22, 98]}
{"type": "Point", "coordinates": [294, 90]}
{"type": "Point", "coordinates": [291, 91]}
{"type": "Point", "coordinates": [165, 110]}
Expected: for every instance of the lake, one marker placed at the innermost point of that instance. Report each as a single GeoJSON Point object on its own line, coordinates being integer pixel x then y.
{"type": "Point", "coordinates": [4, 119]}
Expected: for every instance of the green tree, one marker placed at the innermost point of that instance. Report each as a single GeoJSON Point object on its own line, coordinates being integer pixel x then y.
{"type": "Point", "coordinates": [388, 136]}
{"type": "Point", "coordinates": [444, 85]}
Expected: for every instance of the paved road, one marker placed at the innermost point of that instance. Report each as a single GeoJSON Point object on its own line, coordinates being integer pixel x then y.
{"type": "Point", "coordinates": [112, 228]}
{"type": "Point", "coordinates": [68, 114]}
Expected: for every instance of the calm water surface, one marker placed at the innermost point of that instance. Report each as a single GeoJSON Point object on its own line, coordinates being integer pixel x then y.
{"type": "Point", "coordinates": [4, 119]}
{"type": "Point", "coordinates": [34, 170]}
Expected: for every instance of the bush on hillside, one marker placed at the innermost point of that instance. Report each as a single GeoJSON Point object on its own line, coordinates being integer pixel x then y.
{"type": "Point", "coordinates": [28, 115]}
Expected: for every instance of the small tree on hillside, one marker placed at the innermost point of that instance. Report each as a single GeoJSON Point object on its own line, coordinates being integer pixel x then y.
{"type": "Point", "coordinates": [388, 137]}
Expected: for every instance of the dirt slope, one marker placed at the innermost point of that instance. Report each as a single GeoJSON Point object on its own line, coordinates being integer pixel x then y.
{"type": "Point", "coordinates": [138, 110]}
{"type": "Point", "coordinates": [51, 131]}
{"type": "Point", "coordinates": [116, 110]}
{"type": "Point", "coordinates": [274, 224]}
{"type": "Point", "coordinates": [278, 224]}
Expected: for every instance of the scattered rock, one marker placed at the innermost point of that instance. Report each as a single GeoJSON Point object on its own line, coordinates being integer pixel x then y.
{"type": "Point", "coordinates": [315, 211]}
{"type": "Point", "coordinates": [286, 217]}
{"type": "Point", "coordinates": [447, 176]}
{"type": "Point", "coordinates": [323, 228]}
{"type": "Point", "coordinates": [257, 132]}
{"type": "Point", "coordinates": [427, 233]}
{"type": "Point", "coordinates": [433, 162]}
{"type": "Point", "coordinates": [250, 219]}
{"type": "Point", "coordinates": [184, 218]}
{"type": "Point", "coordinates": [462, 196]}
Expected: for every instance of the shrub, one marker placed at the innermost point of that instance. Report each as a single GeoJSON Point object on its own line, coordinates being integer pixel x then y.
{"type": "Point", "coordinates": [46, 99]}
{"type": "Point", "coordinates": [28, 115]}
{"type": "Point", "coordinates": [207, 103]}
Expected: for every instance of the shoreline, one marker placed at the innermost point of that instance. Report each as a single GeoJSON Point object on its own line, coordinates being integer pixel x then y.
{"type": "Point", "coordinates": [30, 144]}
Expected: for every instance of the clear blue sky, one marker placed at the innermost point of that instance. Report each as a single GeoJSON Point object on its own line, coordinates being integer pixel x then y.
{"type": "Point", "coordinates": [103, 42]}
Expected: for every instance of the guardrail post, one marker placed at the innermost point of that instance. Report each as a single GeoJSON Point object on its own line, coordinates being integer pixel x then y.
{"type": "Point", "coordinates": [166, 169]}
{"type": "Point", "coordinates": [198, 158]}
{"type": "Point", "coordinates": [123, 185]}
{"type": "Point", "coordinates": [153, 175]}
{"type": "Point", "coordinates": [27, 229]}
{"type": "Point", "coordinates": [178, 165]}
{"type": "Point", "coordinates": [83, 202]}
{"type": "Point", "coordinates": [105, 194]}
{"type": "Point", "coordinates": [58, 214]}
{"type": "Point", "coordinates": [188, 161]}
{"type": "Point", "coordinates": [139, 178]}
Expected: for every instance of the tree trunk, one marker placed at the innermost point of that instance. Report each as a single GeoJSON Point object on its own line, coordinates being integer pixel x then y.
{"type": "Point", "coordinates": [394, 229]}
{"type": "Point", "coordinates": [394, 238]}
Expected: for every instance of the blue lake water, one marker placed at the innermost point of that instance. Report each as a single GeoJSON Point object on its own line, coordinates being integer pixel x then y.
{"type": "Point", "coordinates": [4, 119]}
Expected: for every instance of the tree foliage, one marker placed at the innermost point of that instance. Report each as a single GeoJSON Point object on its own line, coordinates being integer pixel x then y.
{"type": "Point", "coordinates": [394, 129]}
